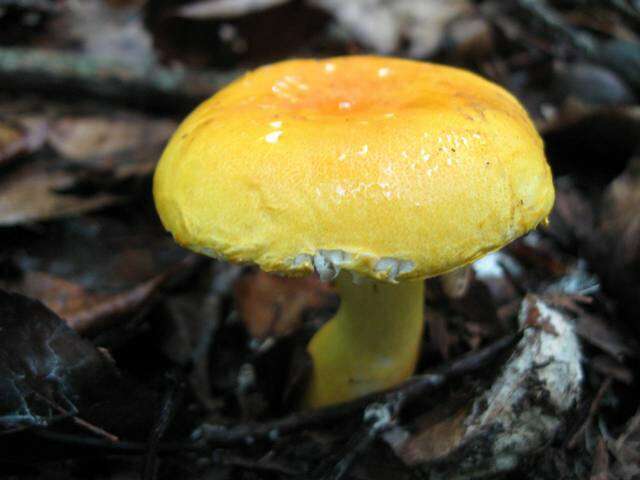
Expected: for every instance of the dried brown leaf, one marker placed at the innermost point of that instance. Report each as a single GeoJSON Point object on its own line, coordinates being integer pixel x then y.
{"type": "Point", "coordinates": [97, 271]}
{"type": "Point", "coordinates": [271, 305]}
{"type": "Point", "coordinates": [32, 194]}
{"type": "Point", "coordinates": [21, 137]}
{"type": "Point", "coordinates": [81, 138]}
{"type": "Point", "coordinates": [84, 311]}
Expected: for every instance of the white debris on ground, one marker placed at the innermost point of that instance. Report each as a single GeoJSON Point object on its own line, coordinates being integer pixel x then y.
{"type": "Point", "coordinates": [493, 265]}
{"type": "Point", "coordinates": [225, 9]}
{"type": "Point", "coordinates": [384, 25]}
{"type": "Point", "coordinates": [521, 411]}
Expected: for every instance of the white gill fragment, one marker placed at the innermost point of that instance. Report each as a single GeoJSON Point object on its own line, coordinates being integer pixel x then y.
{"type": "Point", "coordinates": [518, 414]}
{"type": "Point", "coordinates": [393, 267]}
{"type": "Point", "coordinates": [209, 252]}
{"type": "Point", "coordinates": [329, 262]}
{"type": "Point", "coordinates": [302, 260]}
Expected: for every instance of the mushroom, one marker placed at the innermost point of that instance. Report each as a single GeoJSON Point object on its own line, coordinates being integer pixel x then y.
{"type": "Point", "coordinates": [374, 171]}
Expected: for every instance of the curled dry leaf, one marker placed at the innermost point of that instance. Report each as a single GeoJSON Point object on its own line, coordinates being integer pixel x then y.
{"type": "Point", "coordinates": [271, 305]}
{"type": "Point", "coordinates": [519, 413]}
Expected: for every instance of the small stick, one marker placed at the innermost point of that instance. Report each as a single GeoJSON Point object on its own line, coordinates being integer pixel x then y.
{"type": "Point", "coordinates": [79, 421]}
{"type": "Point", "coordinates": [171, 399]}
{"type": "Point", "coordinates": [593, 409]}
{"type": "Point", "coordinates": [413, 388]}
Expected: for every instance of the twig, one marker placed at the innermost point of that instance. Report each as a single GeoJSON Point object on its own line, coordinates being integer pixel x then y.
{"type": "Point", "coordinates": [104, 313]}
{"type": "Point", "coordinates": [600, 467]}
{"type": "Point", "coordinates": [381, 417]}
{"type": "Point", "coordinates": [593, 409]}
{"type": "Point", "coordinates": [74, 74]}
{"type": "Point", "coordinates": [218, 457]}
{"type": "Point", "coordinates": [378, 418]}
{"type": "Point", "coordinates": [413, 388]}
{"type": "Point", "coordinates": [355, 449]}
{"type": "Point", "coordinates": [122, 446]}
{"type": "Point", "coordinates": [77, 420]}
{"type": "Point", "coordinates": [171, 399]}
{"type": "Point", "coordinates": [222, 457]}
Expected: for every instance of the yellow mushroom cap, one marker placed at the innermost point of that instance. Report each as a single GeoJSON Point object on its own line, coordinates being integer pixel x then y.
{"type": "Point", "coordinates": [389, 168]}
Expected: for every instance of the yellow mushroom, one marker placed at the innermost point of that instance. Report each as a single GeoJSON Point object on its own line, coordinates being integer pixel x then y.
{"type": "Point", "coordinates": [391, 170]}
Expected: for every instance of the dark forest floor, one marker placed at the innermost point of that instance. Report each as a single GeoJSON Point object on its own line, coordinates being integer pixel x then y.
{"type": "Point", "coordinates": [153, 362]}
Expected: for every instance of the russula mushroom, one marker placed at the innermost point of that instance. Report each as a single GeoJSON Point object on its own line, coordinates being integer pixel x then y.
{"type": "Point", "coordinates": [376, 171]}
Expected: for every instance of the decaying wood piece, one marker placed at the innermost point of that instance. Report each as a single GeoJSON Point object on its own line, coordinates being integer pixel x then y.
{"type": "Point", "coordinates": [519, 413]}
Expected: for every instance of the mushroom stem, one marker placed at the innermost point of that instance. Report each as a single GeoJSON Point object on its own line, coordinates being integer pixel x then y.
{"type": "Point", "coordinates": [371, 344]}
